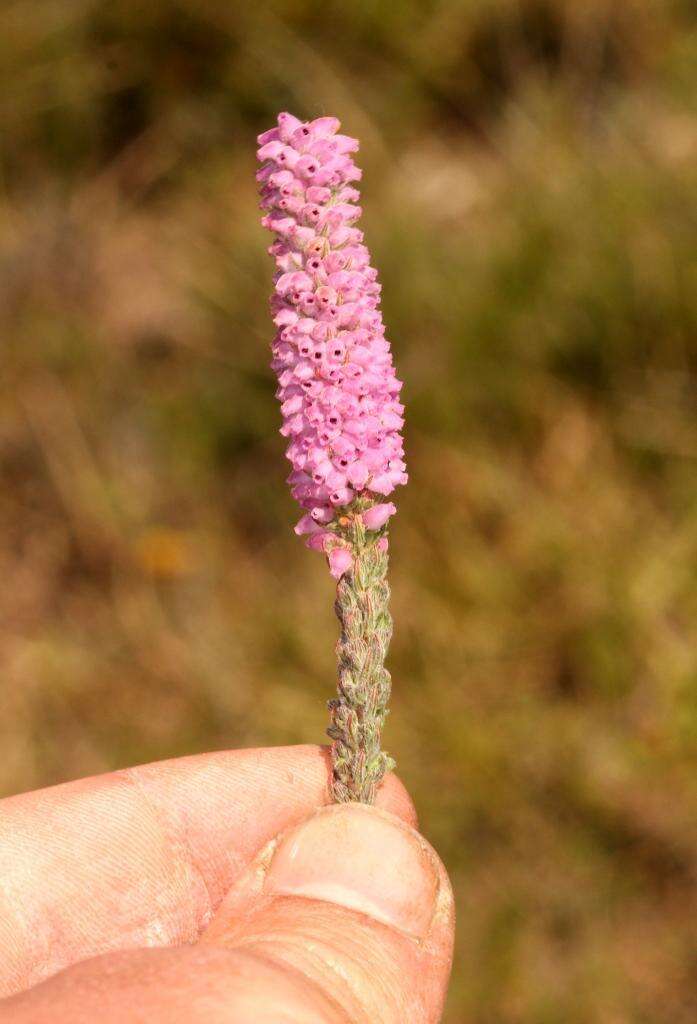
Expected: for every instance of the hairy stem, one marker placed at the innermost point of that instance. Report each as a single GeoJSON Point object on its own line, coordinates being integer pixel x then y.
{"type": "Point", "coordinates": [358, 713]}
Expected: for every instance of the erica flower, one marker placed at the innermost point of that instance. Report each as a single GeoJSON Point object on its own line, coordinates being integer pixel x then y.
{"type": "Point", "coordinates": [337, 386]}
{"type": "Point", "coordinates": [377, 515]}
{"type": "Point", "coordinates": [341, 414]}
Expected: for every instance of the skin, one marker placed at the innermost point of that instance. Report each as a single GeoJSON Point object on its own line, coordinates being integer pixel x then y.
{"type": "Point", "coordinates": [220, 888]}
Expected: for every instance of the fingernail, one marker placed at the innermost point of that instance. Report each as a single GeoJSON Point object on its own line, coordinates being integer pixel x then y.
{"type": "Point", "coordinates": [361, 858]}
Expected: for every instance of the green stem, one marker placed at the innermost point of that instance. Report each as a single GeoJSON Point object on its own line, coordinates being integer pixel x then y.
{"type": "Point", "coordinates": [358, 713]}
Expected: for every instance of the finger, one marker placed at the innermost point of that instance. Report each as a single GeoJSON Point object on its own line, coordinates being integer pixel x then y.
{"type": "Point", "coordinates": [142, 857]}
{"type": "Point", "coordinates": [355, 902]}
{"type": "Point", "coordinates": [345, 918]}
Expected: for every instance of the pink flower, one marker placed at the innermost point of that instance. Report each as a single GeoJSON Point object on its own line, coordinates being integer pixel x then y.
{"type": "Point", "coordinates": [340, 561]}
{"type": "Point", "coordinates": [338, 389]}
{"type": "Point", "coordinates": [306, 524]}
{"type": "Point", "coordinates": [318, 541]}
{"type": "Point", "coordinates": [377, 515]}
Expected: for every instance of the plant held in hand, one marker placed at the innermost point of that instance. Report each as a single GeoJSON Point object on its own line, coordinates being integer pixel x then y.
{"type": "Point", "coordinates": [341, 413]}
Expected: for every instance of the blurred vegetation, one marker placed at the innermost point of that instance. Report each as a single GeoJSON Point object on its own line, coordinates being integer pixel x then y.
{"type": "Point", "coordinates": [530, 197]}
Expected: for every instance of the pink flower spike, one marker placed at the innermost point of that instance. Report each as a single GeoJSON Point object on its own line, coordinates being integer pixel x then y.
{"type": "Point", "coordinates": [339, 398]}
{"type": "Point", "coordinates": [337, 385]}
{"type": "Point", "coordinates": [340, 561]}
{"type": "Point", "coordinates": [376, 516]}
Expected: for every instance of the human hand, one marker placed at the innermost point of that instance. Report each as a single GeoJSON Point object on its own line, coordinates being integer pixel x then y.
{"type": "Point", "coordinates": [220, 888]}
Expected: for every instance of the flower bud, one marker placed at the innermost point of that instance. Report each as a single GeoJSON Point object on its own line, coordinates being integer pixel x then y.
{"type": "Point", "coordinates": [340, 561]}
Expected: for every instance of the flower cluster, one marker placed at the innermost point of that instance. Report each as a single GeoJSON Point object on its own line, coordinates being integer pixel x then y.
{"type": "Point", "coordinates": [337, 386]}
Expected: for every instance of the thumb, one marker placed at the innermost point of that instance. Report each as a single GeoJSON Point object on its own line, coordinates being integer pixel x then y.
{"type": "Point", "coordinates": [346, 917]}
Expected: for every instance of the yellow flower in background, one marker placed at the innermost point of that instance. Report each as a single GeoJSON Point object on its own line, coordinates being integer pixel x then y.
{"type": "Point", "coordinates": [164, 552]}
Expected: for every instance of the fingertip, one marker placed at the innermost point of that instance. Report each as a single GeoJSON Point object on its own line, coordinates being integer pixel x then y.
{"type": "Point", "coordinates": [362, 892]}
{"type": "Point", "coordinates": [361, 858]}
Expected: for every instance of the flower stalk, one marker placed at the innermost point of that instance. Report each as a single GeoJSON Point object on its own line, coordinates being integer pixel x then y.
{"type": "Point", "coordinates": [359, 711]}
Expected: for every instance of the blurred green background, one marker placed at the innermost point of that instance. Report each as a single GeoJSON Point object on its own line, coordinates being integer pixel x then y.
{"type": "Point", "coordinates": [530, 197]}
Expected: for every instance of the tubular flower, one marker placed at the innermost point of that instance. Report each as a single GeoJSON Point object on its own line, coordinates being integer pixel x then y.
{"type": "Point", "coordinates": [338, 389]}
{"type": "Point", "coordinates": [341, 414]}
